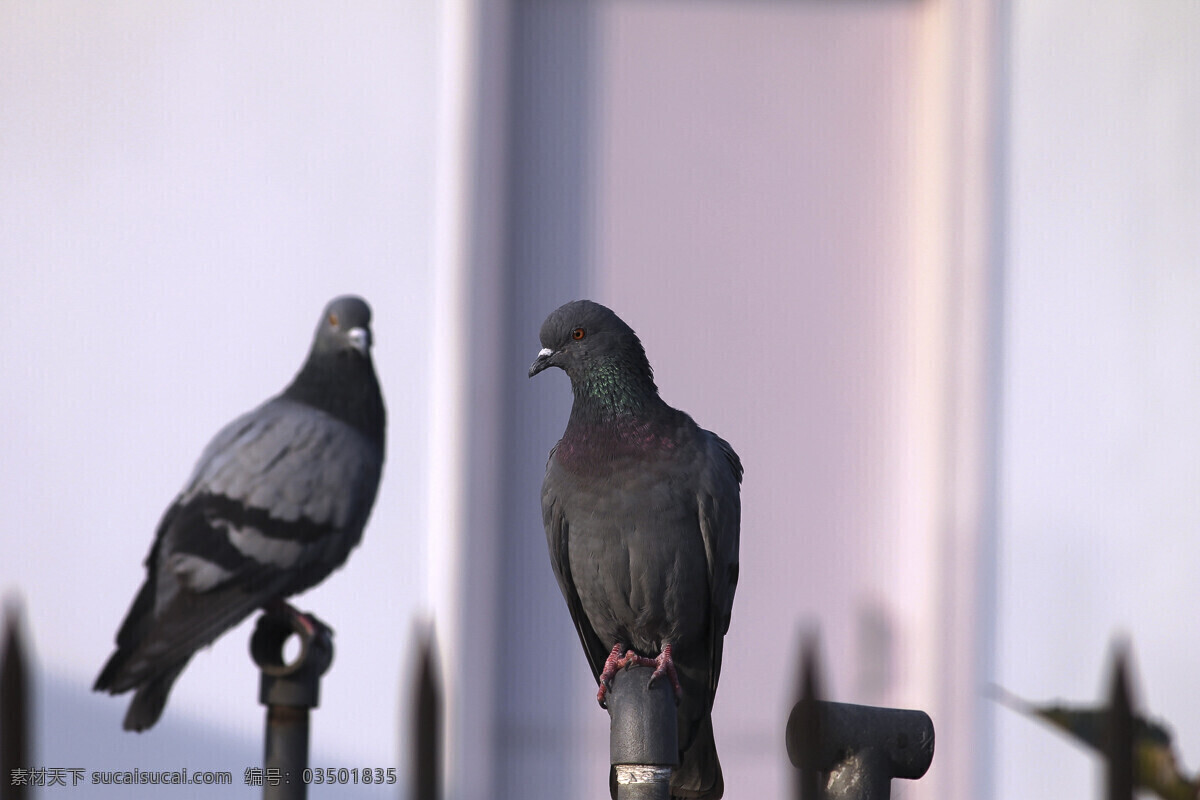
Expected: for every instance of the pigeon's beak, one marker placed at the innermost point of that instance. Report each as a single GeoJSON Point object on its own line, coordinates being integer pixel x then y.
{"type": "Point", "coordinates": [360, 339]}
{"type": "Point", "coordinates": [541, 362]}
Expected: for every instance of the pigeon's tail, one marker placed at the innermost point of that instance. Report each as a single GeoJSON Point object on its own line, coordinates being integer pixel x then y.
{"type": "Point", "coordinates": [699, 773]}
{"type": "Point", "coordinates": [149, 700]}
{"type": "Point", "coordinates": [151, 694]}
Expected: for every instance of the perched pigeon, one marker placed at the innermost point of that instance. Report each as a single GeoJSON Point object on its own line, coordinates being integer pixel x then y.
{"type": "Point", "coordinates": [642, 511]}
{"type": "Point", "coordinates": [276, 502]}
{"type": "Point", "coordinates": [1155, 766]}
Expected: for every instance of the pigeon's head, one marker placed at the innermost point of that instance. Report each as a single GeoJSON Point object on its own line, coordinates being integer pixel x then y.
{"type": "Point", "coordinates": [344, 327]}
{"type": "Point", "coordinates": [583, 338]}
{"type": "Point", "coordinates": [338, 376]}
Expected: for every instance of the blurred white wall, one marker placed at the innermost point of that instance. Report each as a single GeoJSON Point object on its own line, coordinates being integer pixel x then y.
{"type": "Point", "coordinates": [774, 209]}
{"type": "Point", "coordinates": [793, 204]}
{"type": "Point", "coordinates": [1099, 503]}
{"type": "Point", "coordinates": [182, 188]}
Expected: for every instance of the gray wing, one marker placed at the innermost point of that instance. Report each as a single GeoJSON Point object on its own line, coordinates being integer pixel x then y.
{"type": "Point", "coordinates": [557, 533]}
{"type": "Point", "coordinates": [720, 510]}
{"type": "Point", "coordinates": [293, 461]}
{"type": "Point", "coordinates": [276, 502]}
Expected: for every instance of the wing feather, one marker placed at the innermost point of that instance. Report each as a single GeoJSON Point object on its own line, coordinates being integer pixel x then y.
{"type": "Point", "coordinates": [558, 538]}
{"type": "Point", "coordinates": [292, 461]}
{"type": "Point", "coordinates": [720, 525]}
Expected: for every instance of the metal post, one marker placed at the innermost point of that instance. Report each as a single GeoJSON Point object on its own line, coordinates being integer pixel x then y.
{"type": "Point", "coordinates": [288, 690]}
{"type": "Point", "coordinates": [643, 735]}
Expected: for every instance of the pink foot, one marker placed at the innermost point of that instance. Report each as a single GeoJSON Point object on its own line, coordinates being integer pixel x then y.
{"type": "Point", "coordinates": [664, 665]}
{"type": "Point", "coordinates": [613, 663]}
{"type": "Point", "coordinates": [281, 606]}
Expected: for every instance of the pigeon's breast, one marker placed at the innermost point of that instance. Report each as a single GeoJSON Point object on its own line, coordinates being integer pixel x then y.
{"type": "Point", "coordinates": [635, 548]}
{"type": "Point", "coordinates": [624, 445]}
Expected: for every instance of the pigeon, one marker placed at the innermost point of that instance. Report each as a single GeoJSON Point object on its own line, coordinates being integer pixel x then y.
{"type": "Point", "coordinates": [642, 513]}
{"type": "Point", "coordinates": [277, 501]}
{"type": "Point", "coordinates": [1155, 765]}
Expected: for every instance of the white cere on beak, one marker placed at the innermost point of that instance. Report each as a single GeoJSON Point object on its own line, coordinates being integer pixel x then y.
{"type": "Point", "coordinates": [360, 340]}
{"type": "Point", "coordinates": [545, 351]}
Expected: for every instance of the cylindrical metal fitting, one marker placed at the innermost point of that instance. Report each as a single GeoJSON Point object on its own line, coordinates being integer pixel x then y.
{"type": "Point", "coordinates": [288, 690]}
{"type": "Point", "coordinates": [860, 749]}
{"type": "Point", "coordinates": [643, 735]}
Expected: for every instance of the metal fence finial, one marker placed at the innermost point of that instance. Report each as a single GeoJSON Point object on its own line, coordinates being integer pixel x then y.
{"type": "Point", "coordinates": [1119, 739]}
{"type": "Point", "coordinates": [807, 730]}
{"type": "Point", "coordinates": [427, 724]}
{"type": "Point", "coordinates": [14, 704]}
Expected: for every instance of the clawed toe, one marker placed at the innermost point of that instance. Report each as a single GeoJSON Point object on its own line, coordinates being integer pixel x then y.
{"type": "Point", "coordinates": [663, 666]}
{"type": "Point", "coordinates": [613, 663]}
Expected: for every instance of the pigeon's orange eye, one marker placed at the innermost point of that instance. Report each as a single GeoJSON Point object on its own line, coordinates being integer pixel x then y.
{"type": "Point", "coordinates": [577, 334]}
{"type": "Point", "coordinates": [333, 319]}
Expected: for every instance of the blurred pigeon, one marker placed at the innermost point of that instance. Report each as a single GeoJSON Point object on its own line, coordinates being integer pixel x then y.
{"type": "Point", "coordinates": [1155, 766]}
{"type": "Point", "coordinates": [277, 501]}
{"type": "Point", "coordinates": [642, 510]}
